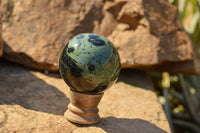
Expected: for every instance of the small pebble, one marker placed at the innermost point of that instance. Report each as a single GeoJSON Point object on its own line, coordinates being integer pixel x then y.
{"type": "Point", "coordinates": [59, 121]}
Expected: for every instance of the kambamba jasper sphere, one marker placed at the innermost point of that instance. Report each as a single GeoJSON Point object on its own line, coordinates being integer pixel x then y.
{"type": "Point", "coordinates": [89, 63]}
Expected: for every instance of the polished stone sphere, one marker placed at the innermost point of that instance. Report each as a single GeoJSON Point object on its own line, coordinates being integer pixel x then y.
{"type": "Point", "coordinates": [89, 63]}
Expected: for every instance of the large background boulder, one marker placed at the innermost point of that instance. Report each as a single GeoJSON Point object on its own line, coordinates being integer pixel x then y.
{"type": "Point", "coordinates": [147, 33]}
{"type": "Point", "coordinates": [150, 36]}
{"type": "Point", "coordinates": [35, 31]}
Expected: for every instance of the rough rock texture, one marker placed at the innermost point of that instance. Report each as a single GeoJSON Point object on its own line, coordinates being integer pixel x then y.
{"type": "Point", "coordinates": [34, 102]}
{"type": "Point", "coordinates": [150, 36]}
{"type": "Point", "coordinates": [147, 33]}
{"type": "Point", "coordinates": [1, 41]}
{"type": "Point", "coordinates": [35, 31]}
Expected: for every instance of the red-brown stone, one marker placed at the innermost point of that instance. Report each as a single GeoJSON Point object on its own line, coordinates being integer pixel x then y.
{"type": "Point", "coordinates": [147, 33]}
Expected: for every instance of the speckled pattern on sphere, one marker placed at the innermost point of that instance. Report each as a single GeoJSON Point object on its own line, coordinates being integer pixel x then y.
{"type": "Point", "coordinates": [89, 63]}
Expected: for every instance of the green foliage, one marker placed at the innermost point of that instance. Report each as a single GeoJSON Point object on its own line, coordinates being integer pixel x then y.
{"type": "Point", "coordinates": [180, 94]}
{"type": "Point", "coordinates": [189, 10]}
{"type": "Point", "coordinates": [180, 97]}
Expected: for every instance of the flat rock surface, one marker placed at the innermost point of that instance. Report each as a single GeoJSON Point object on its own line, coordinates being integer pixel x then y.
{"type": "Point", "coordinates": [147, 33]}
{"type": "Point", "coordinates": [32, 101]}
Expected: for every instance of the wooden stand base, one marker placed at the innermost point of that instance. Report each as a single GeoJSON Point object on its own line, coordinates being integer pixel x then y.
{"type": "Point", "coordinates": [83, 108]}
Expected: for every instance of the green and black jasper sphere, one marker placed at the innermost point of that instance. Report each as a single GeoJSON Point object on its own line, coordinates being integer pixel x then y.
{"type": "Point", "coordinates": [89, 64]}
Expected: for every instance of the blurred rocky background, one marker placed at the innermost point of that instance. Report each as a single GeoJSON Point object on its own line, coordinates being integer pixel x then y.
{"type": "Point", "coordinates": [147, 33]}
{"type": "Point", "coordinates": [156, 40]}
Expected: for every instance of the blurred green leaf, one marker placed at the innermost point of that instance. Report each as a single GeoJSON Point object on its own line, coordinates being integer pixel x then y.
{"type": "Point", "coordinates": [182, 8]}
